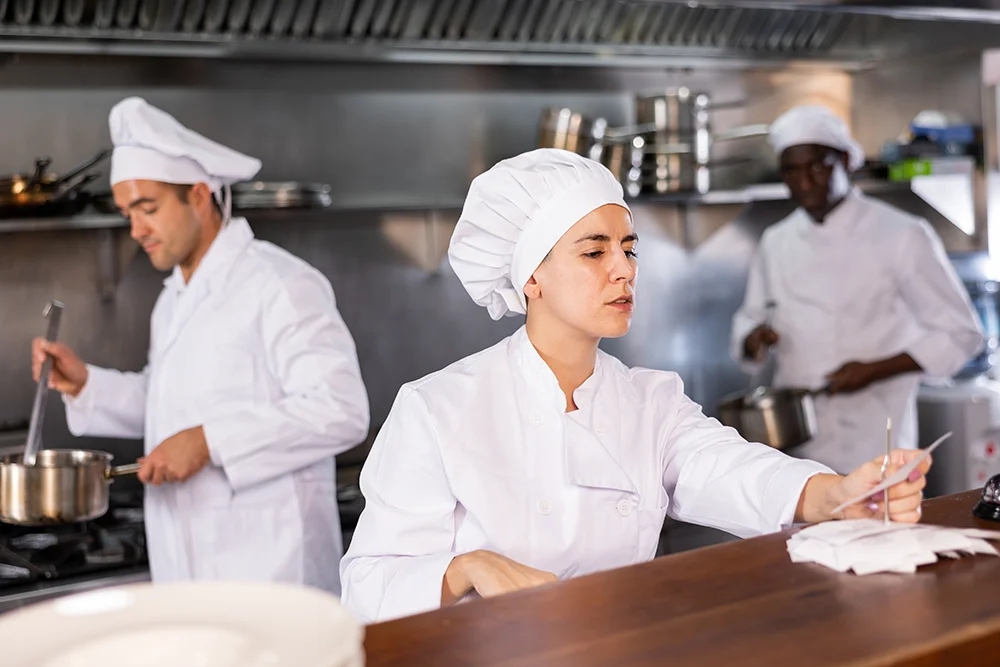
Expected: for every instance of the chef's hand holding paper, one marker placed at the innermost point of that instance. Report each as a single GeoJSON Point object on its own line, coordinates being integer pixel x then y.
{"type": "Point", "coordinates": [905, 498]}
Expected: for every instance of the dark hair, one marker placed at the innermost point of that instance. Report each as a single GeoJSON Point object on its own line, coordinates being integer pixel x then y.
{"type": "Point", "coordinates": [183, 192]}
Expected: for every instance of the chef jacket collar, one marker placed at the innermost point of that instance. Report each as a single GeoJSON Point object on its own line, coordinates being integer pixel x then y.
{"type": "Point", "coordinates": [542, 381]}
{"type": "Point", "coordinates": [839, 221]}
{"type": "Point", "coordinates": [588, 460]}
{"type": "Point", "coordinates": [232, 240]}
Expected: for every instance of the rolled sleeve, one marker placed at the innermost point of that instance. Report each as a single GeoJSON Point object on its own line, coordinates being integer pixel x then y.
{"type": "Point", "coordinates": [80, 408]}
{"type": "Point", "coordinates": [412, 586]}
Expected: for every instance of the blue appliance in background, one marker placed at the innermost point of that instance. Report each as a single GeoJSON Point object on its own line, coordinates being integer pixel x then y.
{"type": "Point", "coordinates": [981, 277]}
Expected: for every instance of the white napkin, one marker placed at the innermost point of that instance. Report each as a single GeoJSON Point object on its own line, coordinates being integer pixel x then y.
{"type": "Point", "coordinates": [867, 546]}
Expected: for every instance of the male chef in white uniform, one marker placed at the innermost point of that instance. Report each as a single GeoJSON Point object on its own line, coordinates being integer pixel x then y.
{"type": "Point", "coordinates": [252, 384]}
{"type": "Point", "coordinates": [864, 298]}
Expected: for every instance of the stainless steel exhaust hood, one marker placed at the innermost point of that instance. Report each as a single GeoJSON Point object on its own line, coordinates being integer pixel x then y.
{"type": "Point", "coordinates": [573, 32]}
{"type": "Point", "coordinates": [987, 11]}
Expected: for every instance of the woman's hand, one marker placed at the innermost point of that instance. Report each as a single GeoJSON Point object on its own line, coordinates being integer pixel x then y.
{"type": "Point", "coordinates": [905, 498]}
{"type": "Point", "coordinates": [489, 574]}
{"type": "Point", "coordinates": [823, 493]}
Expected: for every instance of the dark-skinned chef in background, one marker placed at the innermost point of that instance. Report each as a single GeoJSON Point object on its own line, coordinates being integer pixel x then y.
{"type": "Point", "coordinates": [865, 300]}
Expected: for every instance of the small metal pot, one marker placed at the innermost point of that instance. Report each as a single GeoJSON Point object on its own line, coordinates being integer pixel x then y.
{"type": "Point", "coordinates": [572, 131]}
{"type": "Point", "coordinates": [780, 418]}
{"type": "Point", "coordinates": [621, 150]}
{"type": "Point", "coordinates": [679, 152]}
{"type": "Point", "coordinates": [64, 486]}
{"type": "Point", "coordinates": [584, 135]}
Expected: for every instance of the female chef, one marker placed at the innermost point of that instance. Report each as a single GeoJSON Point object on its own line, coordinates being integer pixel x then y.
{"type": "Point", "coordinates": [542, 457]}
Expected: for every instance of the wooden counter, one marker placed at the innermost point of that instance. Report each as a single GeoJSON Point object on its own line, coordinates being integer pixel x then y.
{"type": "Point", "coordinates": [741, 603]}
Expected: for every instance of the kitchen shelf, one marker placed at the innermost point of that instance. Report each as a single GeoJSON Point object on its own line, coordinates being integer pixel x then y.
{"type": "Point", "coordinates": [104, 225]}
{"type": "Point", "coordinates": [40, 224]}
{"type": "Point", "coordinates": [765, 192]}
{"type": "Point", "coordinates": [94, 220]}
{"type": "Point", "coordinates": [756, 193]}
{"type": "Point", "coordinates": [753, 193]}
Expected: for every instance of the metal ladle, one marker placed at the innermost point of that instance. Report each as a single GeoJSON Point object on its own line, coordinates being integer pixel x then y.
{"type": "Point", "coordinates": [53, 311]}
{"type": "Point", "coordinates": [885, 465]}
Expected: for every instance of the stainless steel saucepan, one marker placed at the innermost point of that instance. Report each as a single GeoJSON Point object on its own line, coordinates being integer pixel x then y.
{"type": "Point", "coordinates": [780, 418]}
{"type": "Point", "coordinates": [63, 486]}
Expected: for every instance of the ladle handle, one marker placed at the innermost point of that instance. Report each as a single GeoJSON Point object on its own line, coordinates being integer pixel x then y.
{"type": "Point", "coordinates": [53, 311]}
{"type": "Point", "coordinates": [769, 306]}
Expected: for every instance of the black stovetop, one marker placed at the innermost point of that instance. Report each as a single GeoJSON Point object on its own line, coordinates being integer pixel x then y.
{"type": "Point", "coordinates": [14, 425]}
{"type": "Point", "coordinates": [115, 540]}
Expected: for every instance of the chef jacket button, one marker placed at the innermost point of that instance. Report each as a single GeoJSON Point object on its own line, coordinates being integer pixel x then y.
{"type": "Point", "coordinates": [544, 507]}
{"type": "Point", "coordinates": [535, 418]}
{"type": "Point", "coordinates": [624, 508]}
{"type": "Point", "coordinates": [602, 426]}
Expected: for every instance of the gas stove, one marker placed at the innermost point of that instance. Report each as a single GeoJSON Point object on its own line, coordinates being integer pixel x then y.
{"type": "Point", "coordinates": [38, 554]}
{"type": "Point", "coordinates": [29, 555]}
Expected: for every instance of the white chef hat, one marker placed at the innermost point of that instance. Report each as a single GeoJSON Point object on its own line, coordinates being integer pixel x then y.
{"type": "Point", "coordinates": [151, 145]}
{"type": "Point", "coordinates": [815, 125]}
{"type": "Point", "coordinates": [514, 215]}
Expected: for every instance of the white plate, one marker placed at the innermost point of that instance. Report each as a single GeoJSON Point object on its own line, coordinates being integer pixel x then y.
{"type": "Point", "coordinates": [198, 624]}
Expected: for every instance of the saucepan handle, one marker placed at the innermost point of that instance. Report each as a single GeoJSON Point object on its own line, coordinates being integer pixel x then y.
{"type": "Point", "coordinates": [118, 471]}
{"type": "Point", "coordinates": [822, 391]}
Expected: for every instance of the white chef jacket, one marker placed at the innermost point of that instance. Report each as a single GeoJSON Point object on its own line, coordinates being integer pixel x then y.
{"type": "Point", "coordinates": [254, 350]}
{"type": "Point", "coordinates": [868, 283]}
{"type": "Point", "coordinates": [483, 455]}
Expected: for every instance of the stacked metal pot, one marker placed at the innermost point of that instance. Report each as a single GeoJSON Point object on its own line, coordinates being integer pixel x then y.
{"type": "Point", "coordinates": [668, 150]}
